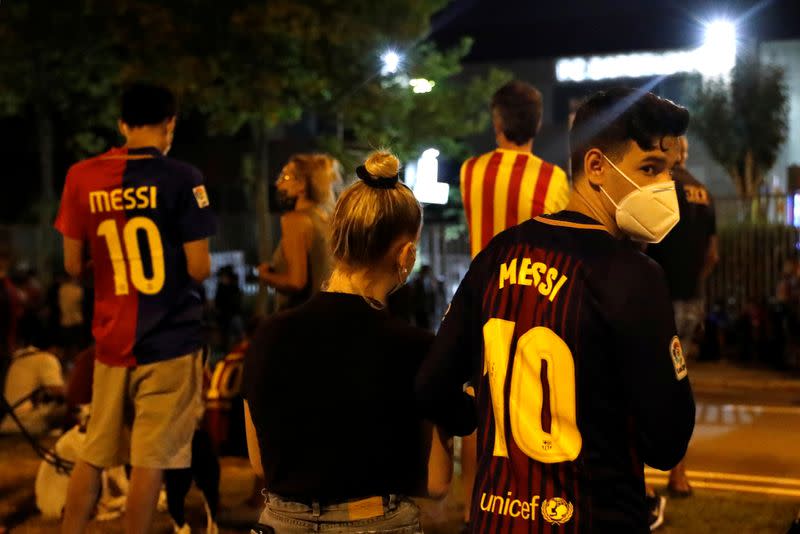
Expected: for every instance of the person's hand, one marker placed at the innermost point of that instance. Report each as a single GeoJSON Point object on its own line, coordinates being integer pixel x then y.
{"type": "Point", "coordinates": [263, 270]}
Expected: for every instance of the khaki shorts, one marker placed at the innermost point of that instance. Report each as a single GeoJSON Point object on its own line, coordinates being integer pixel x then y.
{"type": "Point", "coordinates": [145, 415]}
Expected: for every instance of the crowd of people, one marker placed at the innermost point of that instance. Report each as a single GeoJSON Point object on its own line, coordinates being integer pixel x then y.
{"type": "Point", "coordinates": [560, 359]}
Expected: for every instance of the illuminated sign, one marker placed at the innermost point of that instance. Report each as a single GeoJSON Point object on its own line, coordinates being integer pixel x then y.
{"type": "Point", "coordinates": [422, 176]}
{"type": "Point", "coordinates": [716, 57]}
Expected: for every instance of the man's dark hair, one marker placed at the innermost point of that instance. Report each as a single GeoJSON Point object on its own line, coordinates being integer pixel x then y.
{"type": "Point", "coordinates": [609, 119]}
{"type": "Point", "coordinates": [145, 104]}
{"type": "Point", "coordinates": [519, 106]}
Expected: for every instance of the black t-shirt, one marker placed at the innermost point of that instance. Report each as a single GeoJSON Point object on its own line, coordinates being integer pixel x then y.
{"type": "Point", "coordinates": [330, 390]}
{"type": "Point", "coordinates": [568, 335]}
{"type": "Point", "coordinates": [682, 253]}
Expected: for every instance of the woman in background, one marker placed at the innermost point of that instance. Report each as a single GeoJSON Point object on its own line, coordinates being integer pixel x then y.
{"type": "Point", "coordinates": [302, 262]}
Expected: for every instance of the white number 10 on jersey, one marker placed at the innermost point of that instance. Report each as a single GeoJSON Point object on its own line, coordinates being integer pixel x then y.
{"type": "Point", "coordinates": [526, 397]}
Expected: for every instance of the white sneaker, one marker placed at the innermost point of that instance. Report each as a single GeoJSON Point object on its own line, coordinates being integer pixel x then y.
{"type": "Point", "coordinates": [656, 505]}
{"type": "Point", "coordinates": [185, 529]}
{"type": "Point", "coordinates": [211, 525]}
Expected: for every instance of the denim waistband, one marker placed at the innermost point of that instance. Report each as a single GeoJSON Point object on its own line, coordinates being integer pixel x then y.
{"type": "Point", "coordinates": [361, 508]}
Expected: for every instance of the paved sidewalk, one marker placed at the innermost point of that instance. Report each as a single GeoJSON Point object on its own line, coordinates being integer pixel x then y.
{"type": "Point", "coordinates": [735, 376]}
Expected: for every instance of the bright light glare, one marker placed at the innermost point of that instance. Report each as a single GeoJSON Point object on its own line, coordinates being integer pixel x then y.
{"type": "Point", "coordinates": [391, 62]}
{"type": "Point", "coordinates": [421, 85]}
{"type": "Point", "coordinates": [796, 210]}
{"type": "Point", "coordinates": [423, 178]}
{"type": "Point", "coordinates": [716, 57]}
{"type": "Point", "coordinates": [718, 53]}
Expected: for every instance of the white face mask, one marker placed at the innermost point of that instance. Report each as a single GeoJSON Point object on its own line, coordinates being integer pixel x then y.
{"type": "Point", "coordinates": [648, 213]}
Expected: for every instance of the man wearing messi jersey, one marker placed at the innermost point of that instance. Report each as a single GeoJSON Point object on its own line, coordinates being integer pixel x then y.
{"type": "Point", "coordinates": [567, 331]}
{"type": "Point", "coordinates": [145, 220]}
{"type": "Point", "coordinates": [505, 187]}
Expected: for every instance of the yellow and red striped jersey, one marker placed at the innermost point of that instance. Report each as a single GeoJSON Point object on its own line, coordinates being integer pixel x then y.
{"type": "Point", "coordinates": [503, 188]}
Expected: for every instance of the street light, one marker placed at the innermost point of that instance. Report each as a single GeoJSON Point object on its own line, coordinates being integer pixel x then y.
{"type": "Point", "coordinates": [718, 53]}
{"type": "Point", "coordinates": [421, 85]}
{"type": "Point", "coordinates": [391, 62]}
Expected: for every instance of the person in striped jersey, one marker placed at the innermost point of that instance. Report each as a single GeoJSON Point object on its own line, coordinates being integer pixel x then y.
{"type": "Point", "coordinates": [565, 329]}
{"type": "Point", "coordinates": [505, 187]}
{"type": "Point", "coordinates": [510, 184]}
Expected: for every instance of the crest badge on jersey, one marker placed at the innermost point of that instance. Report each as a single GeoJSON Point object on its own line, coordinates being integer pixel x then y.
{"type": "Point", "coordinates": [557, 511]}
{"type": "Point", "coordinates": [678, 361]}
{"type": "Point", "coordinates": [201, 196]}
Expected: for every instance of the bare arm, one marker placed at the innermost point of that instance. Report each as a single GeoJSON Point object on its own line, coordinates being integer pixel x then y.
{"type": "Point", "coordinates": [198, 259]}
{"type": "Point", "coordinates": [253, 450]}
{"type": "Point", "coordinates": [73, 256]}
{"type": "Point", "coordinates": [296, 231]}
{"type": "Point", "coordinates": [440, 465]}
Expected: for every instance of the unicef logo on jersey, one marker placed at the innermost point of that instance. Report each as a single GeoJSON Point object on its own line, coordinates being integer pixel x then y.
{"type": "Point", "coordinates": [557, 510]}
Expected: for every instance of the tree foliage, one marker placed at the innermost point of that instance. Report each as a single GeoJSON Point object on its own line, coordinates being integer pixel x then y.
{"type": "Point", "coordinates": [385, 112]}
{"type": "Point", "coordinates": [60, 61]}
{"type": "Point", "coordinates": [743, 121]}
{"type": "Point", "coordinates": [247, 66]}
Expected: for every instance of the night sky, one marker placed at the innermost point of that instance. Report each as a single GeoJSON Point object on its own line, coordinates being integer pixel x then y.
{"type": "Point", "coordinates": [520, 29]}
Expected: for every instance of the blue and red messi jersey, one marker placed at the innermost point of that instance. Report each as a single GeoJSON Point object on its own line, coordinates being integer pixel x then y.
{"type": "Point", "coordinates": [136, 209]}
{"type": "Point", "coordinates": [568, 336]}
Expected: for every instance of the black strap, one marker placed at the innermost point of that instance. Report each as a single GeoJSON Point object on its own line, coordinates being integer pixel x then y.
{"type": "Point", "coordinates": [47, 455]}
{"type": "Point", "coordinates": [376, 182]}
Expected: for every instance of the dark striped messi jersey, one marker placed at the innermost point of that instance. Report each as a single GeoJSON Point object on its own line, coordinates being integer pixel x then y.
{"type": "Point", "coordinates": [136, 209]}
{"type": "Point", "coordinates": [568, 336]}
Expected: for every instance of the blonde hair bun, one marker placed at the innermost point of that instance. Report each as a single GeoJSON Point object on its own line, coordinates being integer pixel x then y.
{"type": "Point", "coordinates": [382, 164]}
{"type": "Point", "coordinates": [373, 213]}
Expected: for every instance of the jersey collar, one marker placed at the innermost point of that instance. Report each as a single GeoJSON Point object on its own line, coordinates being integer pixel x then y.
{"type": "Point", "coordinates": [570, 216]}
{"type": "Point", "coordinates": [145, 150]}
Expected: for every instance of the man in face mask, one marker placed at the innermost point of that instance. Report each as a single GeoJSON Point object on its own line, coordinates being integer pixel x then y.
{"type": "Point", "coordinates": [628, 187]}
{"type": "Point", "coordinates": [566, 330]}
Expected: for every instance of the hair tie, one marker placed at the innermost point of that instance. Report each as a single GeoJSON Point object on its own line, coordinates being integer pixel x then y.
{"type": "Point", "coordinates": [376, 182]}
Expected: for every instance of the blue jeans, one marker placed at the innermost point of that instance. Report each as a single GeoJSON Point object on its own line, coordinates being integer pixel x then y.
{"type": "Point", "coordinates": [400, 516]}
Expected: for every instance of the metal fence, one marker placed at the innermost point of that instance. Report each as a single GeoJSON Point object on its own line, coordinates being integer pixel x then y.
{"type": "Point", "coordinates": [751, 260]}
{"type": "Point", "coordinates": [755, 239]}
{"type": "Point", "coordinates": [766, 209]}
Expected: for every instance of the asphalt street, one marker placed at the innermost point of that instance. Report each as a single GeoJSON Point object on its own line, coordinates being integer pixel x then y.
{"type": "Point", "coordinates": [745, 440]}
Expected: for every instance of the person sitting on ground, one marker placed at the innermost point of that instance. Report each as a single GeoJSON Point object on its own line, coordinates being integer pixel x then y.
{"type": "Point", "coordinates": [34, 388]}
{"type": "Point", "coordinates": [329, 405]}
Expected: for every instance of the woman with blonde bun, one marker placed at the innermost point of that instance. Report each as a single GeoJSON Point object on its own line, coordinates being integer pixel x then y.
{"type": "Point", "coordinates": [302, 262]}
{"type": "Point", "coordinates": [331, 417]}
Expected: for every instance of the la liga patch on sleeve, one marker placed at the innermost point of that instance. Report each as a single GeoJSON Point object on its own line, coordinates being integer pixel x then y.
{"type": "Point", "coordinates": [201, 196]}
{"type": "Point", "coordinates": [678, 361]}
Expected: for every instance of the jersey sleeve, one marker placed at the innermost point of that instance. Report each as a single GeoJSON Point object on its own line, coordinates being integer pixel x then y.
{"type": "Point", "coordinates": [196, 220]}
{"type": "Point", "coordinates": [462, 175]}
{"type": "Point", "coordinates": [462, 181]}
{"type": "Point", "coordinates": [448, 366]}
{"type": "Point", "coordinates": [651, 364]}
{"type": "Point", "coordinates": [558, 193]}
{"type": "Point", "coordinates": [70, 221]}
